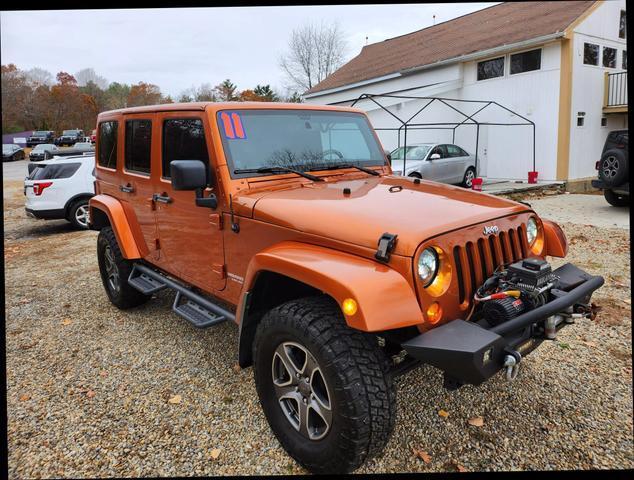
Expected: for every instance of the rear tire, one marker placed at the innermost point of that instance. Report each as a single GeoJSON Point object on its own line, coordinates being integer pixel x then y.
{"type": "Point", "coordinates": [115, 270]}
{"type": "Point", "coordinates": [78, 214]}
{"type": "Point", "coordinates": [615, 199]}
{"type": "Point", "coordinates": [347, 371]}
{"type": "Point", "coordinates": [469, 175]}
{"type": "Point", "coordinates": [613, 167]}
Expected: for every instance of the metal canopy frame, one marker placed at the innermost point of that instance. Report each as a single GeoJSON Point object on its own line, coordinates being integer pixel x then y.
{"type": "Point", "coordinates": [468, 119]}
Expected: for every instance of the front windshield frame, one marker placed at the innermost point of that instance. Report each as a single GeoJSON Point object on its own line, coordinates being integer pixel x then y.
{"type": "Point", "coordinates": [369, 136]}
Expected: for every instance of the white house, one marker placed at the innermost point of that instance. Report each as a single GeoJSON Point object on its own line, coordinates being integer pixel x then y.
{"type": "Point", "coordinates": [561, 65]}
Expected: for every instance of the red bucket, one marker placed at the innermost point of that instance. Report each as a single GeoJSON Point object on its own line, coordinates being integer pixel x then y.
{"type": "Point", "coordinates": [477, 184]}
{"type": "Point", "coordinates": [532, 177]}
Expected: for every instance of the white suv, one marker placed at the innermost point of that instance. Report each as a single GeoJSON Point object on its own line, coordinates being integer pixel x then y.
{"type": "Point", "coordinates": [60, 189]}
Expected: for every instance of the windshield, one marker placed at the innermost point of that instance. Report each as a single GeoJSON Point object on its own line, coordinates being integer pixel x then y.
{"type": "Point", "coordinates": [40, 133]}
{"type": "Point", "coordinates": [300, 139]}
{"type": "Point", "coordinates": [8, 148]}
{"type": "Point", "coordinates": [414, 152]}
{"type": "Point", "coordinates": [70, 132]}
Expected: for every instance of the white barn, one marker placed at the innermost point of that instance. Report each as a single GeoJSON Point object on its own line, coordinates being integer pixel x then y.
{"type": "Point", "coordinates": [561, 65]}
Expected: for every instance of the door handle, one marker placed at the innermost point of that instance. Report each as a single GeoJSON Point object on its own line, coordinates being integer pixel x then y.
{"type": "Point", "coordinates": [126, 188]}
{"type": "Point", "coordinates": [164, 198]}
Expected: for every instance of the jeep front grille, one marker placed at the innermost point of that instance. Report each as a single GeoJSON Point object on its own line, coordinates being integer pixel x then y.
{"type": "Point", "coordinates": [476, 261]}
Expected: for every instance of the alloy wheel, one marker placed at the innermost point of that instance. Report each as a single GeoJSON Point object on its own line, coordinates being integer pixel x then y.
{"type": "Point", "coordinates": [301, 390]}
{"type": "Point", "coordinates": [610, 167]}
{"type": "Point", "coordinates": [469, 176]}
{"type": "Point", "coordinates": [82, 215]}
{"type": "Point", "coordinates": [112, 271]}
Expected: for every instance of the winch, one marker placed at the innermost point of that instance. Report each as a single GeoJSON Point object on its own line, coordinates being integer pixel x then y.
{"type": "Point", "coordinates": [523, 286]}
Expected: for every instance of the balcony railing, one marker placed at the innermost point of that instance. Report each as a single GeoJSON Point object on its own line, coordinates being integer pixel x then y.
{"type": "Point", "coordinates": [615, 93]}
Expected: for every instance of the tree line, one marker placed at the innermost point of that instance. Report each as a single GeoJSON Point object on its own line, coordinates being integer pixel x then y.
{"type": "Point", "coordinates": [32, 100]}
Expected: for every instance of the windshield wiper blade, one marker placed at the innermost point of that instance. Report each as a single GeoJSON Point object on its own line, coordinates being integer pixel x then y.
{"type": "Point", "coordinates": [346, 165]}
{"type": "Point", "coordinates": [279, 170]}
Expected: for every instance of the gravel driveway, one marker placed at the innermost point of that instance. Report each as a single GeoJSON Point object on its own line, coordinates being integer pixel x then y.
{"type": "Point", "coordinates": [96, 392]}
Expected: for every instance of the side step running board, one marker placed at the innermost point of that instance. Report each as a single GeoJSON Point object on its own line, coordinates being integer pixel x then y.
{"type": "Point", "coordinates": [196, 309]}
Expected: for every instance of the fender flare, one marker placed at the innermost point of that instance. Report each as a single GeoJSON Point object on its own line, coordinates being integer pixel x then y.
{"type": "Point", "coordinates": [119, 222]}
{"type": "Point", "coordinates": [556, 242]}
{"type": "Point", "coordinates": [385, 299]}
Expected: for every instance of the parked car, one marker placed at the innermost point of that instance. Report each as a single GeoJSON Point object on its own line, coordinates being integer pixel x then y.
{"type": "Point", "coordinates": [40, 136]}
{"type": "Point", "coordinates": [69, 137]}
{"type": "Point", "coordinates": [445, 163]}
{"type": "Point", "coordinates": [339, 275]}
{"type": "Point", "coordinates": [614, 168]}
{"type": "Point", "coordinates": [85, 146]}
{"type": "Point", "coordinates": [12, 152]}
{"type": "Point", "coordinates": [93, 136]}
{"type": "Point", "coordinates": [60, 189]}
{"type": "Point", "coordinates": [43, 151]}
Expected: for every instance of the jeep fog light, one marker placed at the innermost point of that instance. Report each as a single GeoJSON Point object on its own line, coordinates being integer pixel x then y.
{"type": "Point", "coordinates": [434, 313]}
{"type": "Point", "coordinates": [428, 266]}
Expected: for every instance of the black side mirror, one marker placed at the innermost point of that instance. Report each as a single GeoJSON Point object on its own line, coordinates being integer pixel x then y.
{"type": "Point", "coordinates": [389, 158]}
{"type": "Point", "coordinates": [192, 175]}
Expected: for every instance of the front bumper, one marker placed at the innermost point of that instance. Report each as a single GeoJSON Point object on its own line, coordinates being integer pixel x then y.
{"type": "Point", "coordinates": [470, 353]}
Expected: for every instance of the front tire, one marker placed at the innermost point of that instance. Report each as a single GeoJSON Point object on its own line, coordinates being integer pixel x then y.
{"type": "Point", "coordinates": [325, 388]}
{"type": "Point", "coordinates": [615, 199]}
{"type": "Point", "coordinates": [115, 270]}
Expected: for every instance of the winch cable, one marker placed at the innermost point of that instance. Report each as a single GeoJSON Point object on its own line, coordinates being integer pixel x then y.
{"type": "Point", "coordinates": [498, 295]}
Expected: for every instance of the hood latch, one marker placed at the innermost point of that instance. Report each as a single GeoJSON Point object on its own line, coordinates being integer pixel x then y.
{"type": "Point", "coordinates": [386, 245]}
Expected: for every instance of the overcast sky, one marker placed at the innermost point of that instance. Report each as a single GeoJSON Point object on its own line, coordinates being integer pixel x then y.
{"type": "Point", "coordinates": [176, 48]}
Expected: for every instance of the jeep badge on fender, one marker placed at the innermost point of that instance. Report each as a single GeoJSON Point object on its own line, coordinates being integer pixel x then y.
{"type": "Point", "coordinates": [340, 288]}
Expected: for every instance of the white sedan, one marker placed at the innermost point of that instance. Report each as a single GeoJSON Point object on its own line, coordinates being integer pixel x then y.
{"type": "Point", "coordinates": [445, 163]}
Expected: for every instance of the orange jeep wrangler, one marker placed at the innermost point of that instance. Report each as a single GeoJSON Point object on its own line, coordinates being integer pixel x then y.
{"type": "Point", "coordinates": [286, 219]}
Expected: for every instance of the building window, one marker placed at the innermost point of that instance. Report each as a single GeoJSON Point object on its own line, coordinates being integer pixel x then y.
{"type": "Point", "coordinates": [491, 68]}
{"type": "Point", "coordinates": [590, 54]}
{"type": "Point", "coordinates": [107, 155]}
{"type": "Point", "coordinates": [624, 60]}
{"type": "Point", "coordinates": [526, 61]}
{"type": "Point", "coordinates": [183, 139]}
{"type": "Point", "coordinates": [581, 119]}
{"type": "Point", "coordinates": [623, 25]}
{"type": "Point", "coordinates": [138, 140]}
{"type": "Point", "coordinates": [604, 121]}
{"type": "Point", "coordinates": [609, 57]}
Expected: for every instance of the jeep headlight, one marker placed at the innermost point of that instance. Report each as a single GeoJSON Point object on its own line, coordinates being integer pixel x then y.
{"type": "Point", "coordinates": [531, 231]}
{"type": "Point", "coordinates": [428, 266]}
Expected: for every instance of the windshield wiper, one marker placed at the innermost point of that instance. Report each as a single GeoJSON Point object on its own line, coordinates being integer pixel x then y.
{"type": "Point", "coordinates": [279, 170]}
{"type": "Point", "coordinates": [339, 166]}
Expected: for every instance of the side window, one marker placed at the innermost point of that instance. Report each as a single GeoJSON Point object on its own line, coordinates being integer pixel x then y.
{"type": "Point", "coordinates": [624, 60]}
{"type": "Point", "coordinates": [183, 139]}
{"type": "Point", "coordinates": [138, 140]}
{"type": "Point", "coordinates": [609, 57]}
{"type": "Point", "coordinates": [623, 25]}
{"type": "Point", "coordinates": [590, 54]}
{"type": "Point", "coordinates": [491, 68]}
{"type": "Point", "coordinates": [454, 151]}
{"type": "Point", "coordinates": [107, 155]}
{"type": "Point", "coordinates": [441, 150]}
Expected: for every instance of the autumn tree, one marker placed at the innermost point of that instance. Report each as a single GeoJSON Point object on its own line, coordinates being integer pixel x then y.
{"type": "Point", "coordinates": [314, 52]}
{"type": "Point", "coordinates": [144, 94]}
{"type": "Point", "coordinates": [117, 96]}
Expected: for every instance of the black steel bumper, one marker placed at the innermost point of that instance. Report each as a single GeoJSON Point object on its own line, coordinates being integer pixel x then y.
{"type": "Point", "coordinates": [470, 353]}
{"type": "Point", "coordinates": [600, 184]}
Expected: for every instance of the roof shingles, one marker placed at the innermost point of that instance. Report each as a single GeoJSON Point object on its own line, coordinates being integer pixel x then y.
{"type": "Point", "coordinates": [502, 24]}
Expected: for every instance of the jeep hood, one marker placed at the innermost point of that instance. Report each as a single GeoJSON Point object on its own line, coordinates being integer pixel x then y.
{"type": "Point", "coordinates": [415, 212]}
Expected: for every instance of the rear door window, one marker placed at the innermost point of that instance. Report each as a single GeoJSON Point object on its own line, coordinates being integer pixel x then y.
{"type": "Point", "coordinates": [183, 139]}
{"type": "Point", "coordinates": [107, 155]}
{"type": "Point", "coordinates": [54, 171]}
{"type": "Point", "coordinates": [138, 142]}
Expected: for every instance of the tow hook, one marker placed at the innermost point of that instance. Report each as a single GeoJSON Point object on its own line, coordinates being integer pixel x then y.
{"type": "Point", "coordinates": [588, 311]}
{"type": "Point", "coordinates": [512, 363]}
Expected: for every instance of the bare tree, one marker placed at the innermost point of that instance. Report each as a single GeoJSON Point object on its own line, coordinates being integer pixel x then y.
{"type": "Point", "coordinates": [38, 76]}
{"type": "Point", "coordinates": [86, 75]}
{"type": "Point", "coordinates": [314, 52]}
